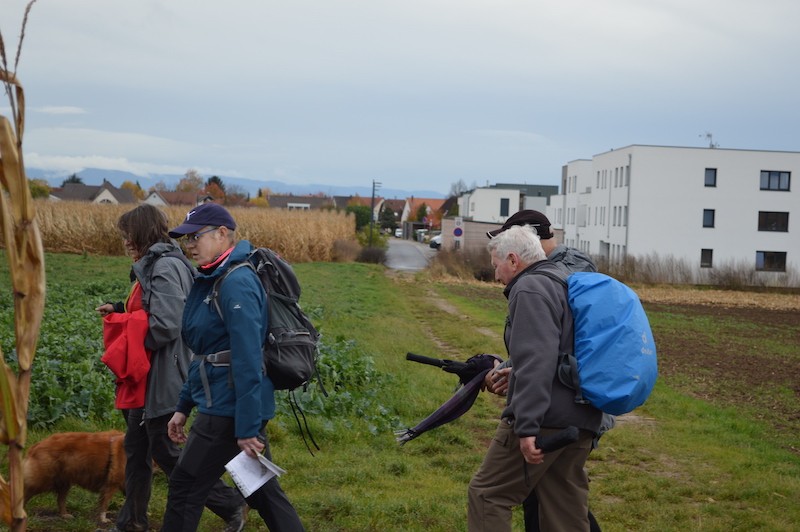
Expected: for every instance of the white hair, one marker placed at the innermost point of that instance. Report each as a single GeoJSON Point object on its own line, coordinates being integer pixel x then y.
{"type": "Point", "coordinates": [519, 239]}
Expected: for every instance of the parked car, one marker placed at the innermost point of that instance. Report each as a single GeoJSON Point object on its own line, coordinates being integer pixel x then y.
{"type": "Point", "coordinates": [436, 242]}
{"type": "Point", "coordinates": [398, 232]}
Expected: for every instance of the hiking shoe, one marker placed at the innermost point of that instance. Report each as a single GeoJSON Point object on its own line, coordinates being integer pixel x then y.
{"type": "Point", "coordinates": [236, 522]}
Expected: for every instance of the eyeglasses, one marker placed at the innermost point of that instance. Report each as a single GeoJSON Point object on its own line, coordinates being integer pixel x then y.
{"type": "Point", "coordinates": [194, 237]}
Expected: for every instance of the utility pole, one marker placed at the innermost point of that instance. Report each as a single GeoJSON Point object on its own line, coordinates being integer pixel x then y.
{"type": "Point", "coordinates": [375, 185]}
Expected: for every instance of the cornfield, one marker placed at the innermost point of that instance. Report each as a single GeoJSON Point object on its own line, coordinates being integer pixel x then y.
{"type": "Point", "coordinates": [299, 236]}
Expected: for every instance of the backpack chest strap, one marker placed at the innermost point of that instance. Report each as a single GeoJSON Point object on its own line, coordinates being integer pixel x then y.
{"type": "Point", "coordinates": [220, 358]}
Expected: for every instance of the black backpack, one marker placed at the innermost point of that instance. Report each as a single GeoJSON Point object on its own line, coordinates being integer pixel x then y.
{"type": "Point", "coordinates": [290, 351]}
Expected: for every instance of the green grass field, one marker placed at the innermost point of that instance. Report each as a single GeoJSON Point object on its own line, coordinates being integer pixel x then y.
{"type": "Point", "coordinates": [710, 450]}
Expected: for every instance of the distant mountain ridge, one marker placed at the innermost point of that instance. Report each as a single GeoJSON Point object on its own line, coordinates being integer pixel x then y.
{"type": "Point", "coordinates": [95, 176]}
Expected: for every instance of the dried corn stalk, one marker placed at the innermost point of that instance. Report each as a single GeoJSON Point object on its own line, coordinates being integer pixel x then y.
{"type": "Point", "coordinates": [26, 265]}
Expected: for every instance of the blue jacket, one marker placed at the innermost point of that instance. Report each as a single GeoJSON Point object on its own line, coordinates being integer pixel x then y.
{"type": "Point", "coordinates": [241, 391]}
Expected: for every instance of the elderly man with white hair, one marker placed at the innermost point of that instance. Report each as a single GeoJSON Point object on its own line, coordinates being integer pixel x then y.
{"type": "Point", "coordinates": [539, 327]}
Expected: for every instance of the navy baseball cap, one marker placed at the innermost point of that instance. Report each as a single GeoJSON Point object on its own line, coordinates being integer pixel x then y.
{"type": "Point", "coordinates": [202, 216]}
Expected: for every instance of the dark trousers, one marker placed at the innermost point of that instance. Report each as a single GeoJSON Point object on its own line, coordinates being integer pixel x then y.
{"type": "Point", "coordinates": [211, 445]}
{"type": "Point", "coordinates": [147, 440]}
{"type": "Point", "coordinates": [531, 508]}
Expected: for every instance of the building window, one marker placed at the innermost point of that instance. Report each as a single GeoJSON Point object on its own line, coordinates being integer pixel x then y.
{"type": "Point", "coordinates": [706, 258]}
{"type": "Point", "coordinates": [711, 177]}
{"type": "Point", "coordinates": [504, 202]}
{"type": "Point", "coordinates": [773, 221]}
{"type": "Point", "coordinates": [771, 180]}
{"type": "Point", "coordinates": [771, 261]}
{"type": "Point", "coordinates": [708, 217]}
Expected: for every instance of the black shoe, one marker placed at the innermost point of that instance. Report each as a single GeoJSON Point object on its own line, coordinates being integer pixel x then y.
{"type": "Point", "coordinates": [236, 522]}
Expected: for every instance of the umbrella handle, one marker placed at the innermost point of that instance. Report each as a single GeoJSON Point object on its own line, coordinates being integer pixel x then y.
{"type": "Point", "coordinates": [438, 362]}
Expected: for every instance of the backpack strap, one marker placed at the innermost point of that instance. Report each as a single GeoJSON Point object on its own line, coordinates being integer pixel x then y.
{"type": "Point", "coordinates": [216, 287]}
{"type": "Point", "coordinates": [221, 358]}
{"type": "Point", "coordinates": [567, 368]}
{"type": "Point", "coordinates": [553, 276]}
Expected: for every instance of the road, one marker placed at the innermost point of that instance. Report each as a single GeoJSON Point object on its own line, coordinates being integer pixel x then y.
{"type": "Point", "coordinates": [406, 255]}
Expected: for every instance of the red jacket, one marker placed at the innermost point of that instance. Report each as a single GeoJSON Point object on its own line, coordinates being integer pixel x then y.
{"type": "Point", "coordinates": [123, 336]}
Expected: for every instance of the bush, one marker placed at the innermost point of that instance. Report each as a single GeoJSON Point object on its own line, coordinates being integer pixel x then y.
{"type": "Point", "coordinates": [377, 240]}
{"type": "Point", "coordinates": [471, 264]}
{"type": "Point", "coordinates": [345, 250]}
{"type": "Point", "coordinates": [372, 255]}
{"type": "Point", "coordinates": [656, 269]}
{"type": "Point", "coordinates": [67, 379]}
{"type": "Point", "coordinates": [353, 385]}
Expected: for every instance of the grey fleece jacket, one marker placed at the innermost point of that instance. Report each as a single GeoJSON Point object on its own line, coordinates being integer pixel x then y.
{"type": "Point", "coordinates": [539, 327]}
{"type": "Point", "coordinates": [166, 281]}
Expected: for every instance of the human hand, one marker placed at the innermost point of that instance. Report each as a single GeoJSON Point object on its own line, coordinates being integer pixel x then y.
{"type": "Point", "coordinates": [251, 446]}
{"type": "Point", "coordinates": [497, 381]}
{"type": "Point", "coordinates": [175, 427]}
{"type": "Point", "coordinates": [532, 454]}
{"type": "Point", "coordinates": [105, 309]}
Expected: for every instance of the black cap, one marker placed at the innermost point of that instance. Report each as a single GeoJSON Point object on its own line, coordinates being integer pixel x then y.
{"type": "Point", "coordinates": [526, 217]}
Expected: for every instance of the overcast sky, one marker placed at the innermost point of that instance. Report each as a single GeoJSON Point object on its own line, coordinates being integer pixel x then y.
{"type": "Point", "coordinates": [415, 94]}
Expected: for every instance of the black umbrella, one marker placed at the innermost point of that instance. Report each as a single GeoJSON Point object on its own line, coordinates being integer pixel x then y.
{"type": "Point", "coordinates": [470, 375]}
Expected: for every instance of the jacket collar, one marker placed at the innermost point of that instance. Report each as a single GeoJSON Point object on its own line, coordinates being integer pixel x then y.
{"type": "Point", "coordinates": [528, 269]}
{"type": "Point", "coordinates": [239, 253]}
{"type": "Point", "coordinates": [153, 254]}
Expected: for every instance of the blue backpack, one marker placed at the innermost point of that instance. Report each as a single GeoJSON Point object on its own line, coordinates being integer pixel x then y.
{"type": "Point", "coordinates": [613, 366]}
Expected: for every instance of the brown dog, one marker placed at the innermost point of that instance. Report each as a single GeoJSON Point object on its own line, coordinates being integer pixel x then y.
{"type": "Point", "coordinates": [92, 460]}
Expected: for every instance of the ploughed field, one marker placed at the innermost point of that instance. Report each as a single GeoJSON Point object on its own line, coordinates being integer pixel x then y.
{"type": "Point", "coordinates": [736, 349]}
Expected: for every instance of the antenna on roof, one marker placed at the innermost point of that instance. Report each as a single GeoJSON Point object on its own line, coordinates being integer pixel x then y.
{"type": "Point", "coordinates": [710, 137]}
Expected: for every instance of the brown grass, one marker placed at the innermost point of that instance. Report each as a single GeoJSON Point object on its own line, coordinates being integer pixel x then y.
{"type": "Point", "coordinates": [300, 236]}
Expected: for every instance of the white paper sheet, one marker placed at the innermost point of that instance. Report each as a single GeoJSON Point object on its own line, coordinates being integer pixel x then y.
{"type": "Point", "coordinates": [249, 473]}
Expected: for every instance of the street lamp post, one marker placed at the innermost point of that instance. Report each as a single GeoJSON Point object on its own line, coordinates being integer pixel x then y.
{"type": "Point", "coordinates": [375, 185]}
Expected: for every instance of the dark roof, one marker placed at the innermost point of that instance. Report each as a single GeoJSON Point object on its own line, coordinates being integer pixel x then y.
{"type": "Point", "coordinates": [396, 205]}
{"type": "Point", "coordinates": [81, 192]}
{"type": "Point", "coordinates": [530, 190]}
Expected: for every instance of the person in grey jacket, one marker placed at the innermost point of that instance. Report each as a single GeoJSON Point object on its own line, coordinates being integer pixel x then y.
{"type": "Point", "coordinates": [162, 277]}
{"type": "Point", "coordinates": [568, 260]}
{"type": "Point", "coordinates": [539, 326]}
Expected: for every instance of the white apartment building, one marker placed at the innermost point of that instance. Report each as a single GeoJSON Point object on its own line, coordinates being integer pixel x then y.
{"type": "Point", "coordinates": [707, 207]}
{"type": "Point", "coordinates": [493, 205]}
